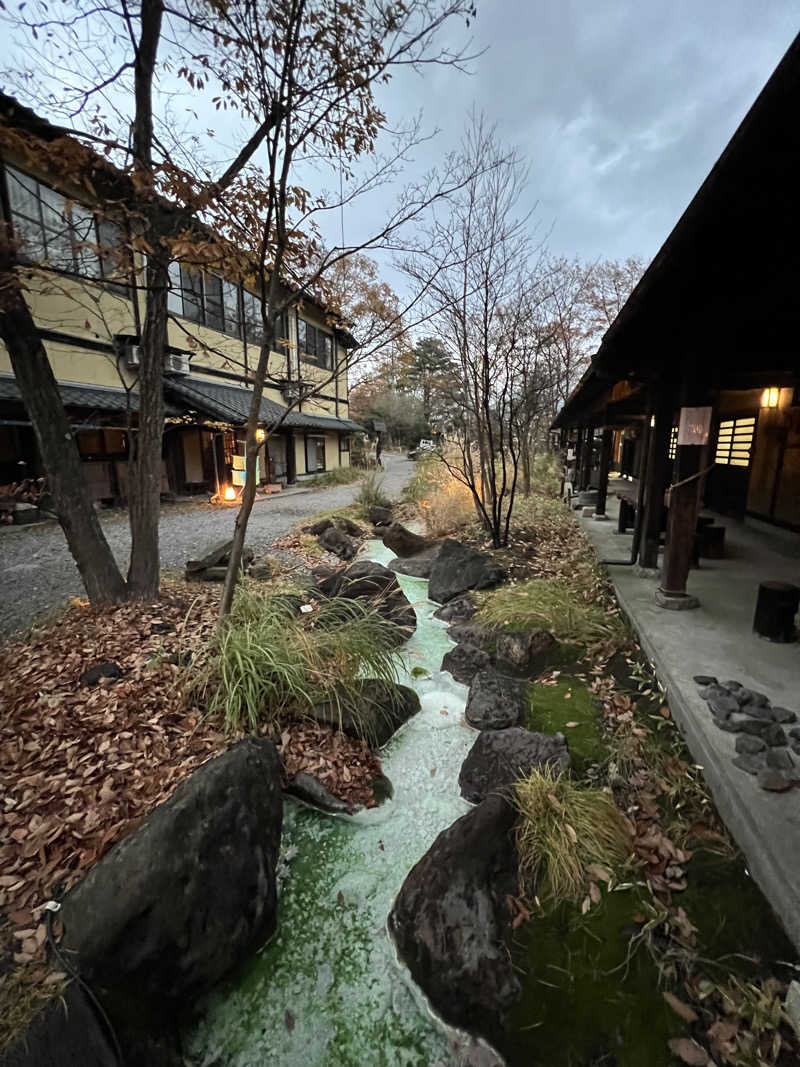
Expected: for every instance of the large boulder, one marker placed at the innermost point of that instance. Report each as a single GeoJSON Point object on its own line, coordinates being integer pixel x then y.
{"type": "Point", "coordinates": [380, 516]}
{"type": "Point", "coordinates": [448, 919]}
{"type": "Point", "coordinates": [499, 757]}
{"type": "Point", "coordinates": [403, 542]}
{"type": "Point", "coordinates": [68, 1031]}
{"type": "Point", "coordinates": [378, 586]}
{"type": "Point", "coordinates": [464, 661]}
{"type": "Point", "coordinates": [316, 529]}
{"type": "Point", "coordinates": [373, 713]}
{"type": "Point", "coordinates": [418, 566]}
{"type": "Point", "coordinates": [187, 896]}
{"type": "Point", "coordinates": [471, 633]}
{"type": "Point", "coordinates": [337, 542]}
{"type": "Point", "coordinates": [458, 610]}
{"type": "Point", "coordinates": [524, 652]}
{"type": "Point", "coordinates": [495, 701]}
{"type": "Point", "coordinates": [458, 568]}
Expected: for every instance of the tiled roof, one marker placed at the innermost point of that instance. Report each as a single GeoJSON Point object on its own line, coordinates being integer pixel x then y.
{"type": "Point", "coordinates": [231, 403]}
{"type": "Point", "coordinates": [78, 395]}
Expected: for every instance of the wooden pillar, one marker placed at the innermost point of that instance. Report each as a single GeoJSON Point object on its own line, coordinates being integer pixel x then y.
{"type": "Point", "coordinates": [605, 466]}
{"type": "Point", "coordinates": [576, 481]}
{"type": "Point", "coordinates": [657, 476]}
{"type": "Point", "coordinates": [585, 469]}
{"type": "Point", "coordinates": [291, 465]}
{"type": "Point", "coordinates": [682, 522]}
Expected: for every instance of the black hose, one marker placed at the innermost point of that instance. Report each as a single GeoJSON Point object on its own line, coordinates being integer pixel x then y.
{"type": "Point", "coordinates": [95, 1003]}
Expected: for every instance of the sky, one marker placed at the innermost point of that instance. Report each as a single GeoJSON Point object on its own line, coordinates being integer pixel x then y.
{"type": "Point", "coordinates": [620, 108]}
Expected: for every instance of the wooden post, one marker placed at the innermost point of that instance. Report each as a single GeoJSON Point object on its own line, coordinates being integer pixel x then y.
{"type": "Point", "coordinates": [576, 481]}
{"type": "Point", "coordinates": [585, 470]}
{"type": "Point", "coordinates": [605, 466]}
{"type": "Point", "coordinates": [682, 522]}
{"type": "Point", "coordinates": [291, 463]}
{"type": "Point", "coordinates": [657, 475]}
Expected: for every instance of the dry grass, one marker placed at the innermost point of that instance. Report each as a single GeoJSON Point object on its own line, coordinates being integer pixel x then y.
{"type": "Point", "coordinates": [562, 830]}
{"type": "Point", "coordinates": [448, 510]}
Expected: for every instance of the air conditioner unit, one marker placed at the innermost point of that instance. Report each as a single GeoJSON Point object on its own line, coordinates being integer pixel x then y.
{"type": "Point", "coordinates": [177, 364]}
{"type": "Point", "coordinates": [291, 391]}
{"type": "Point", "coordinates": [133, 356]}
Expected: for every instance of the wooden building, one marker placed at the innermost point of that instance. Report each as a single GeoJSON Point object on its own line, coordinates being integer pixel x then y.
{"type": "Point", "coordinates": [707, 349]}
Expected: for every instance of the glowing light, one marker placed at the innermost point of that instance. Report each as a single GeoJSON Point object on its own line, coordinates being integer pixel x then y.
{"type": "Point", "coordinates": [770, 397]}
{"type": "Point", "coordinates": [230, 492]}
{"type": "Point", "coordinates": [260, 436]}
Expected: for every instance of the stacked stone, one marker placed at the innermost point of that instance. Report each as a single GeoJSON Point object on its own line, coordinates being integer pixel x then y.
{"type": "Point", "coordinates": [766, 737]}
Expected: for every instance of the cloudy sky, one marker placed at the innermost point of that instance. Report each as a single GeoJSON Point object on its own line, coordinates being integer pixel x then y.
{"type": "Point", "coordinates": [621, 107]}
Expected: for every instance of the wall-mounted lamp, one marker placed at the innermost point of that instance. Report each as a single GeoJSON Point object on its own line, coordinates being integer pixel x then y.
{"type": "Point", "coordinates": [652, 421]}
{"type": "Point", "coordinates": [770, 397]}
{"type": "Point", "coordinates": [260, 436]}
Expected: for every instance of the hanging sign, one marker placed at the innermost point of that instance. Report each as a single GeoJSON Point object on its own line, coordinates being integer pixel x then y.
{"type": "Point", "coordinates": [694, 426]}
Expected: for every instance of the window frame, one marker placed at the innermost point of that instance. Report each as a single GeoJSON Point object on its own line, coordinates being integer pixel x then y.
{"type": "Point", "coordinates": [318, 438]}
{"type": "Point", "coordinates": [311, 347]}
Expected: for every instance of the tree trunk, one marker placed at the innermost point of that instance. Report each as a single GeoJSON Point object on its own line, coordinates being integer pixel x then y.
{"type": "Point", "coordinates": [145, 481]}
{"type": "Point", "coordinates": [98, 569]}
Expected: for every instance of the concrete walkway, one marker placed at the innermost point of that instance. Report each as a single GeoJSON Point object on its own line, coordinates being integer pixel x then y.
{"type": "Point", "coordinates": [37, 571]}
{"type": "Point", "coordinates": [717, 639]}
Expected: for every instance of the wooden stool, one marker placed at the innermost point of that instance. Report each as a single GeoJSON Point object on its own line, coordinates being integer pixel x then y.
{"type": "Point", "coordinates": [776, 608]}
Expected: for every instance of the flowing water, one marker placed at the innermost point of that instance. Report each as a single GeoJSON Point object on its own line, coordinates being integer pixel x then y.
{"type": "Point", "coordinates": [327, 991]}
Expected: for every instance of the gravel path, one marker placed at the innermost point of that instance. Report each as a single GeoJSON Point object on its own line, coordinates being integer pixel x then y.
{"type": "Point", "coordinates": [37, 571]}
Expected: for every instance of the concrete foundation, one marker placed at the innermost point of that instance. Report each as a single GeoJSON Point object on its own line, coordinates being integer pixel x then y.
{"type": "Point", "coordinates": [717, 639]}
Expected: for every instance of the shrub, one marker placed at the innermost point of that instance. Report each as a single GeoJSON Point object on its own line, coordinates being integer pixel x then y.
{"type": "Point", "coordinates": [448, 509]}
{"type": "Point", "coordinates": [371, 495]}
{"type": "Point", "coordinates": [552, 604]}
{"type": "Point", "coordinates": [270, 661]}
{"type": "Point", "coordinates": [562, 829]}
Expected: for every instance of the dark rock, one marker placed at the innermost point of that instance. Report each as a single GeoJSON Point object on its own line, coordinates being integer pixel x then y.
{"type": "Point", "coordinates": [464, 662]}
{"type": "Point", "coordinates": [418, 566]}
{"type": "Point", "coordinates": [757, 711]}
{"type": "Point", "coordinates": [495, 701]}
{"type": "Point", "coordinates": [499, 757]}
{"type": "Point", "coordinates": [311, 791]}
{"type": "Point", "coordinates": [319, 527]}
{"type": "Point", "coordinates": [458, 610]}
{"type": "Point", "coordinates": [774, 735]}
{"type": "Point", "coordinates": [732, 685]}
{"type": "Point", "coordinates": [188, 895]}
{"type": "Point", "coordinates": [373, 713]}
{"type": "Point", "coordinates": [448, 920]}
{"type": "Point", "coordinates": [262, 571]}
{"type": "Point", "coordinates": [525, 652]}
{"type": "Point", "coordinates": [459, 568]}
{"type": "Point", "coordinates": [749, 696]}
{"type": "Point", "coordinates": [67, 1031]}
{"type": "Point", "coordinates": [795, 733]}
{"type": "Point", "coordinates": [783, 715]}
{"type": "Point", "coordinates": [162, 627]}
{"type": "Point", "coordinates": [779, 759]}
{"type": "Point", "coordinates": [472, 633]}
{"type": "Point", "coordinates": [714, 692]}
{"type": "Point", "coordinates": [380, 516]}
{"type": "Point", "coordinates": [212, 574]}
{"type": "Point", "coordinates": [352, 529]}
{"type": "Point", "coordinates": [403, 542]}
{"type": "Point", "coordinates": [752, 763]}
{"type": "Point", "coordinates": [378, 585]}
{"type": "Point", "coordinates": [337, 542]}
{"type": "Point", "coordinates": [323, 573]}
{"type": "Point", "coordinates": [92, 675]}
{"type": "Point", "coordinates": [704, 679]}
{"type": "Point", "coordinates": [747, 744]}
{"type": "Point", "coordinates": [723, 706]}
{"type": "Point", "coordinates": [795, 747]}
{"type": "Point", "coordinates": [774, 781]}
{"type": "Point", "coordinates": [218, 554]}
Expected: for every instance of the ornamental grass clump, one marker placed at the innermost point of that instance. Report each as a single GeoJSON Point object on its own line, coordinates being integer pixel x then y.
{"type": "Point", "coordinates": [551, 604]}
{"type": "Point", "coordinates": [271, 661]}
{"type": "Point", "coordinates": [563, 829]}
{"type": "Point", "coordinates": [371, 495]}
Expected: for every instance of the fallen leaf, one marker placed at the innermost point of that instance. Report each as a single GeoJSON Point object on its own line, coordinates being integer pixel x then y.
{"type": "Point", "coordinates": [689, 1051]}
{"type": "Point", "coordinates": [687, 1013]}
{"type": "Point", "coordinates": [570, 724]}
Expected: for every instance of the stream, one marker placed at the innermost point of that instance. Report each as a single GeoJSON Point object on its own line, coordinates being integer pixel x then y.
{"type": "Point", "coordinates": [328, 991]}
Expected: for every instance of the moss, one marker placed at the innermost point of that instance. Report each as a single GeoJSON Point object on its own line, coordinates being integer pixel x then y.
{"type": "Point", "coordinates": [551, 707]}
{"type": "Point", "coordinates": [582, 1005]}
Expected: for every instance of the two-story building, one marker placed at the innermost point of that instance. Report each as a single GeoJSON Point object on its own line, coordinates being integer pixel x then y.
{"type": "Point", "coordinates": [89, 304]}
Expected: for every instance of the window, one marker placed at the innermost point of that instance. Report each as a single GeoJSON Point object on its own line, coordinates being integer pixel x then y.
{"type": "Point", "coordinates": [673, 442]}
{"type": "Point", "coordinates": [315, 344]}
{"type": "Point", "coordinates": [735, 441]}
{"type": "Point", "coordinates": [63, 234]}
{"type": "Point", "coordinates": [253, 324]}
{"type": "Point", "coordinates": [212, 292]}
{"type": "Point", "coordinates": [344, 444]}
{"type": "Point", "coordinates": [233, 315]}
{"type": "Point", "coordinates": [315, 454]}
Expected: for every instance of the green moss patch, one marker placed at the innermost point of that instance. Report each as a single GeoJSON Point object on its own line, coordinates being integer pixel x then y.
{"type": "Point", "coordinates": [569, 707]}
